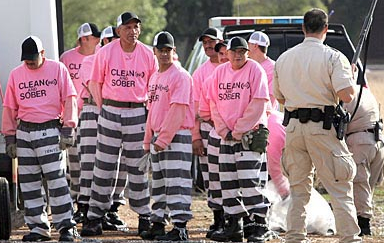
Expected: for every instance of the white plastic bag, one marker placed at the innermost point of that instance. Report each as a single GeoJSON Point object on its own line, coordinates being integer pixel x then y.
{"type": "Point", "coordinates": [320, 218]}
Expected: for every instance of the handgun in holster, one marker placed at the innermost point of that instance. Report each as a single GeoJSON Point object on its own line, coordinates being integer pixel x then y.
{"type": "Point", "coordinates": [341, 120]}
{"type": "Point", "coordinates": [286, 118]}
{"type": "Point", "coordinates": [378, 129]}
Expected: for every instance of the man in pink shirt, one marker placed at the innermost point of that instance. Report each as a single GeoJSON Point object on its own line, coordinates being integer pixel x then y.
{"type": "Point", "coordinates": [88, 37]}
{"type": "Point", "coordinates": [168, 137]}
{"type": "Point", "coordinates": [258, 47]}
{"type": "Point", "coordinates": [210, 37]}
{"type": "Point", "coordinates": [37, 91]}
{"type": "Point", "coordinates": [240, 83]}
{"type": "Point", "coordinates": [87, 141]}
{"type": "Point", "coordinates": [119, 84]}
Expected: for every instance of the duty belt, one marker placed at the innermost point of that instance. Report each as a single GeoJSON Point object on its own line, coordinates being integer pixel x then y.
{"type": "Point", "coordinates": [304, 115]}
{"type": "Point", "coordinates": [371, 130]}
{"type": "Point", "coordinates": [121, 104]}
{"type": "Point", "coordinates": [31, 126]}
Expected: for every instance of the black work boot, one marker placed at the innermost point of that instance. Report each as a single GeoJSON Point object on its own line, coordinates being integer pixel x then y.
{"type": "Point", "coordinates": [35, 237]}
{"type": "Point", "coordinates": [233, 231]}
{"type": "Point", "coordinates": [144, 223]}
{"type": "Point", "coordinates": [92, 227]}
{"type": "Point", "coordinates": [258, 230]}
{"type": "Point", "coordinates": [178, 233]}
{"type": "Point", "coordinates": [67, 234]}
{"type": "Point", "coordinates": [365, 226]}
{"type": "Point", "coordinates": [106, 225]}
{"type": "Point", "coordinates": [80, 213]}
{"type": "Point", "coordinates": [155, 230]}
{"type": "Point", "coordinates": [218, 223]}
{"type": "Point", "coordinates": [113, 216]}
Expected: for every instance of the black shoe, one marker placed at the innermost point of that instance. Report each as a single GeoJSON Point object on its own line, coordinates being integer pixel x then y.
{"type": "Point", "coordinates": [78, 216]}
{"type": "Point", "coordinates": [113, 218]}
{"type": "Point", "coordinates": [257, 229]}
{"type": "Point", "coordinates": [35, 237]}
{"type": "Point", "coordinates": [218, 223]}
{"type": "Point", "coordinates": [233, 231]}
{"type": "Point", "coordinates": [67, 234]}
{"type": "Point", "coordinates": [176, 234]}
{"type": "Point", "coordinates": [365, 226]}
{"type": "Point", "coordinates": [144, 224]}
{"type": "Point", "coordinates": [92, 228]}
{"type": "Point", "coordinates": [106, 225]}
{"type": "Point", "coordinates": [155, 230]}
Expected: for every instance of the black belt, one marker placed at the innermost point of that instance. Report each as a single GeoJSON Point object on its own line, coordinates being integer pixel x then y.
{"type": "Point", "coordinates": [86, 101]}
{"type": "Point", "coordinates": [371, 130]}
{"type": "Point", "coordinates": [121, 104]}
{"type": "Point", "coordinates": [31, 126]}
{"type": "Point", "coordinates": [306, 114]}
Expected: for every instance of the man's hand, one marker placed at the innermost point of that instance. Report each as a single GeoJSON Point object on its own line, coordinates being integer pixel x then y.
{"type": "Point", "coordinates": [198, 147]}
{"type": "Point", "coordinates": [158, 148]}
{"type": "Point", "coordinates": [10, 141]}
{"type": "Point", "coordinates": [67, 138]}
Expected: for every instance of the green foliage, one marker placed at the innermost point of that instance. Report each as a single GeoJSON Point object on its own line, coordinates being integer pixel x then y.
{"type": "Point", "coordinates": [105, 12]}
{"type": "Point", "coordinates": [275, 7]}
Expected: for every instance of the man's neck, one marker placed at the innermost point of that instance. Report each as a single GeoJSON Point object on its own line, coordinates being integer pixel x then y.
{"type": "Point", "coordinates": [86, 50]}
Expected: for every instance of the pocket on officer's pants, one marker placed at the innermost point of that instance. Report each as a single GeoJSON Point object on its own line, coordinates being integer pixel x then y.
{"type": "Point", "coordinates": [344, 166]}
{"type": "Point", "coordinates": [283, 165]}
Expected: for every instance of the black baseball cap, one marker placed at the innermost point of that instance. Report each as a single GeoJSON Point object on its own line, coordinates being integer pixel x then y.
{"type": "Point", "coordinates": [31, 48]}
{"type": "Point", "coordinates": [126, 17]}
{"type": "Point", "coordinates": [237, 42]}
{"type": "Point", "coordinates": [221, 44]}
{"type": "Point", "coordinates": [88, 29]}
{"type": "Point", "coordinates": [163, 39]}
{"type": "Point", "coordinates": [212, 33]}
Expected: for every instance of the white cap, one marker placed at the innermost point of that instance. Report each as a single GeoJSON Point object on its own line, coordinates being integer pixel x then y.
{"type": "Point", "coordinates": [259, 38]}
{"type": "Point", "coordinates": [88, 29]}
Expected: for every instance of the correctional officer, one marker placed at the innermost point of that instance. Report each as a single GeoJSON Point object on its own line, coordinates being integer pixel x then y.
{"type": "Point", "coordinates": [37, 91]}
{"type": "Point", "coordinates": [119, 82]}
{"type": "Point", "coordinates": [240, 83]}
{"type": "Point", "coordinates": [210, 37]}
{"type": "Point", "coordinates": [365, 141]}
{"type": "Point", "coordinates": [168, 137]}
{"type": "Point", "coordinates": [309, 80]}
{"type": "Point", "coordinates": [88, 37]}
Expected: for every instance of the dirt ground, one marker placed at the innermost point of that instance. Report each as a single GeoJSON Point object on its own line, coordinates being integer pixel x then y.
{"type": "Point", "coordinates": [203, 217]}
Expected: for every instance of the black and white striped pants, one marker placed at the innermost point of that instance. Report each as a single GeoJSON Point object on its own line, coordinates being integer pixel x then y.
{"type": "Point", "coordinates": [215, 197]}
{"type": "Point", "coordinates": [172, 180]}
{"type": "Point", "coordinates": [243, 176]}
{"type": "Point", "coordinates": [39, 156]}
{"type": "Point", "coordinates": [87, 141]}
{"type": "Point", "coordinates": [120, 130]}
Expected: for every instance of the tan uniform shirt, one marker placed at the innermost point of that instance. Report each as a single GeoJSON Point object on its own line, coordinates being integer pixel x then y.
{"type": "Point", "coordinates": [319, 73]}
{"type": "Point", "coordinates": [366, 115]}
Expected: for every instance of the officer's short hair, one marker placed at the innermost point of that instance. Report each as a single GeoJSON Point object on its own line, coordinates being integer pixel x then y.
{"type": "Point", "coordinates": [315, 20]}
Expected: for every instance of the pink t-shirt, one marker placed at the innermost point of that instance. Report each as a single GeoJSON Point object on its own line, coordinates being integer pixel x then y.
{"type": "Point", "coordinates": [200, 75]}
{"type": "Point", "coordinates": [269, 66]}
{"type": "Point", "coordinates": [124, 76]}
{"type": "Point", "coordinates": [232, 90]}
{"type": "Point", "coordinates": [72, 59]}
{"type": "Point", "coordinates": [166, 88]}
{"type": "Point", "coordinates": [85, 74]}
{"type": "Point", "coordinates": [39, 95]}
{"type": "Point", "coordinates": [276, 142]}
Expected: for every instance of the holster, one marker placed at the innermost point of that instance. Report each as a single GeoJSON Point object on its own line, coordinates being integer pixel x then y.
{"type": "Point", "coordinates": [329, 112]}
{"type": "Point", "coordinates": [286, 118]}
{"type": "Point", "coordinates": [259, 139]}
{"type": "Point", "coordinates": [378, 129]}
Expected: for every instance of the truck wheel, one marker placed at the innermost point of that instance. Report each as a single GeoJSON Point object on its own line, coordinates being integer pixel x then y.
{"type": "Point", "coordinates": [5, 211]}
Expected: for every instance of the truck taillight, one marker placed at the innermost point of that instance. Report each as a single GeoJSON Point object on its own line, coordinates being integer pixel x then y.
{"type": "Point", "coordinates": [225, 22]}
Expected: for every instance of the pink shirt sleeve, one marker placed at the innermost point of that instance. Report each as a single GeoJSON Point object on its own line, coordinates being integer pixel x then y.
{"type": "Point", "coordinates": [276, 143]}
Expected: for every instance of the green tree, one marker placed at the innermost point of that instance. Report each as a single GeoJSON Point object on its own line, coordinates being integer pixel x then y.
{"type": "Point", "coordinates": [187, 19]}
{"type": "Point", "coordinates": [105, 12]}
